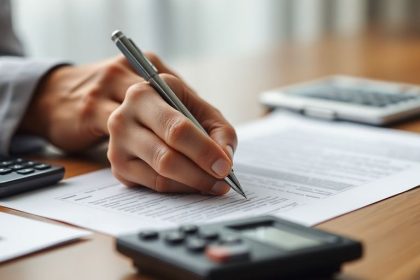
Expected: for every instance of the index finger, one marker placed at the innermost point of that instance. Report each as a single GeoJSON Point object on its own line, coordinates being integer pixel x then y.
{"type": "Point", "coordinates": [178, 131]}
{"type": "Point", "coordinates": [212, 120]}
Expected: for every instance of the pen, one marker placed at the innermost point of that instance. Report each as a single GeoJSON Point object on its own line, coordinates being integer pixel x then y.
{"type": "Point", "coordinates": [149, 72]}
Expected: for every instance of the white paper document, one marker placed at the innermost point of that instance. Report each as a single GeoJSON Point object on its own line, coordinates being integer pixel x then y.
{"type": "Point", "coordinates": [20, 236]}
{"type": "Point", "coordinates": [296, 168]}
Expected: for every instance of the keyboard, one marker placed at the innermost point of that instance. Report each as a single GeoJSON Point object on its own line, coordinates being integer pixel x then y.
{"type": "Point", "coordinates": [19, 175]}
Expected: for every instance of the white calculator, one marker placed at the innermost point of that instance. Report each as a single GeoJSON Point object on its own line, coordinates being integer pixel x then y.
{"type": "Point", "coordinates": [348, 98]}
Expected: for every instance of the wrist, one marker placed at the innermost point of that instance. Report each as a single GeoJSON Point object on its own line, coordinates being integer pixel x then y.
{"type": "Point", "coordinates": [38, 118]}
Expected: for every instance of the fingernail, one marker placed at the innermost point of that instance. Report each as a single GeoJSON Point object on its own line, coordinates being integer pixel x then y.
{"type": "Point", "coordinates": [219, 188]}
{"type": "Point", "coordinates": [230, 151]}
{"type": "Point", "coordinates": [221, 167]}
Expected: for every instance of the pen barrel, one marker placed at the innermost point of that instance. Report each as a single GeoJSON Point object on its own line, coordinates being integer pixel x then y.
{"type": "Point", "coordinates": [172, 99]}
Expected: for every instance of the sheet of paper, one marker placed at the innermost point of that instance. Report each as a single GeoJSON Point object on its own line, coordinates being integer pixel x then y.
{"type": "Point", "coordinates": [20, 236]}
{"type": "Point", "coordinates": [299, 169]}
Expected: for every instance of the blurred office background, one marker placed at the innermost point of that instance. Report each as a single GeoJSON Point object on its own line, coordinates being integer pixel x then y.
{"type": "Point", "coordinates": [176, 29]}
{"type": "Point", "coordinates": [198, 30]}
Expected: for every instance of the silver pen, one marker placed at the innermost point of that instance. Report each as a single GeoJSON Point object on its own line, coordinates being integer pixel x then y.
{"type": "Point", "coordinates": [149, 72]}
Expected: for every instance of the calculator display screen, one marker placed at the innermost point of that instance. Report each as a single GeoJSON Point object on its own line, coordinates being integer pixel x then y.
{"type": "Point", "coordinates": [280, 238]}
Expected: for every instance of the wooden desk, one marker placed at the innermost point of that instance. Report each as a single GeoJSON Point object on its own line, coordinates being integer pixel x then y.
{"type": "Point", "coordinates": [390, 229]}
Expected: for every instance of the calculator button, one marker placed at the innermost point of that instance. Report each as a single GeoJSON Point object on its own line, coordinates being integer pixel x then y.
{"type": "Point", "coordinates": [175, 237]}
{"type": "Point", "coordinates": [230, 239]}
{"type": "Point", "coordinates": [196, 245]}
{"type": "Point", "coordinates": [17, 166]}
{"type": "Point", "coordinates": [148, 234]}
{"type": "Point", "coordinates": [223, 254]}
{"type": "Point", "coordinates": [25, 171]}
{"type": "Point", "coordinates": [29, 163]}
{"type": "Point", "coordinates": [42, 166]}
{"type": "Point", "coordinates": [188, 229]}
{"type": "Point", "coordinates": [19, 160]}
{"type": "Point", "coordinates": [209, 235]}
{"type": "Point", "coordinates": [5, 163]}
{"type": "Point", "coordinates": [4, 171]}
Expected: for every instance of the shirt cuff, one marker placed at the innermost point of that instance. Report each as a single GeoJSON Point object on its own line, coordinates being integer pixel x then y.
{"type": "Point", "coordinates": [19, 78]}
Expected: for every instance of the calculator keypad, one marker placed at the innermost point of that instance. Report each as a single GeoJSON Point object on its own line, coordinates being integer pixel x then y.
{"type": "Point", "coordinates": [21, 166]}
{"type": "Point", "coordinates": [19, 175]}
{"type": "Point", "coordinates": [366, 97]}
{"type": "Point", "coordinates": [208, 243]}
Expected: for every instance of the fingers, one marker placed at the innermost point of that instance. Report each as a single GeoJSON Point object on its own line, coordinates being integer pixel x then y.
{"type": "Point", "coordinates": [158, 63]}
{"type": "Point", "coordinates": [224, 134]}
{"type": "Point", "coordinates": [161, 168]}
{"type": "Point", "coordinates": [114, 78]}
{"type": "Point", "coordinates": [95, 110]}
{"type": "Point", "coordinates": [116, 75]}
{"type": "Point", "coordinates": [136, 172]}
{"type": "Point", "coordinates": [178, 132]}
{"type": "Point", "coordinates": [211, 119]}
{"type": "Point", "coordinates": [172, 164]}
{"type": "Point", "coordinates": [104, 111]}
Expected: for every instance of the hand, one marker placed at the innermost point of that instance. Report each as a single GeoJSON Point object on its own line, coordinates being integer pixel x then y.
{"type": "Point", "coordinates": [72, 104]}
{"type": "Point", "coordinates": [151, 144]}
{"type": "Point", "coordinates": [154, 145]}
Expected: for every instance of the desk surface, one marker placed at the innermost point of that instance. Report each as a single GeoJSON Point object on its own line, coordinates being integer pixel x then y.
{"type": "Point", "coordinates": [389, 229]}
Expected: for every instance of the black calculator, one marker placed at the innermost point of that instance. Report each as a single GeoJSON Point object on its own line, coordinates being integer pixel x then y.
{"type": "Point", "coordinates": [19, 175]}
{"type": "Point", "coordinates": [262, 247]}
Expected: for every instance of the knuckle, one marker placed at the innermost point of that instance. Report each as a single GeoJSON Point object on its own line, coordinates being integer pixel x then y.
{"type": "Point", "coordinates": [135, 92]}
{"type": "Point", "coordinates": [161, 184]}
{"type": "Point", "coordinates": [88, 104]}
{"type": "Point", "coordinates": [112, 69]}
{"type": "Point", "coordinates": [110, 154]}
{"type": "Point", "coordinates": [116, 174]}
{"type": "Point", "coordinates": [90, 99]}
{"type": "Point", "coordinates": [169, 78]}
{"type": "Point", "coordinates": [119, 59]}
{"type": "Point", "coordinates": [163, 160]}
{"type": "Point", "coordinates": [123, 180]}
{"type": "Point", "coordinates": [230, 131]}
{"type": "Point", "coordinates": [94, 93]}
{"type": "Point", "coordinates": [116, 121]}
{"type": "Point", "coordinates": [117, 163]}
{"type": "Point", "coordinates": [174, 82]}
{"type": "Point", "coordinates": [176, 127]}
{"type": "Point", "coordinates": [153, 57]}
